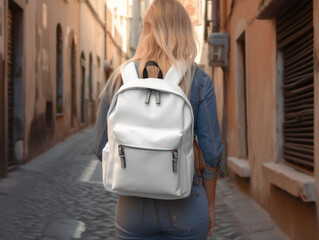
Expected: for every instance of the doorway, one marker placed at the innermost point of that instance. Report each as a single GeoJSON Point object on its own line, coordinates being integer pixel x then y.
{"type": "Point", "coordinates": [82, 88]}
{"type": "Point", "coordinates": [73, 85]}
{"type": "Point", "coordinates": [15, 86]}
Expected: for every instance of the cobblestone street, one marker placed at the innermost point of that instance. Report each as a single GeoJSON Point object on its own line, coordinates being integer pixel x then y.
{"type": "Point", "coordinates": [59, 196]}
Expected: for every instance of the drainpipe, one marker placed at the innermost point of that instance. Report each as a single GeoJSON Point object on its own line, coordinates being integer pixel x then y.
{"type": "Point", "coordinates": [224, 127]}
{"type": "Point", "coordinates": [216, 28]}
{"type": "Point", "coordinates": [223, 17]}
{"type": "Point", "coordinates": [216, 14]}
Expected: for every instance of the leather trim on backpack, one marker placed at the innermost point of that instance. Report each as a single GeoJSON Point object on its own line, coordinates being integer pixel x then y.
{"type": "Point", "coordinates": [200, 163]}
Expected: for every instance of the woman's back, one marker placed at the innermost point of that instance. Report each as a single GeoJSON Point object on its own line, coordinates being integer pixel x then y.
{"type": "Point", "coordinates": [168, 38]}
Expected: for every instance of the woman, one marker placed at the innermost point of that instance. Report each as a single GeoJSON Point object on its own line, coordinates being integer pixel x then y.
{"type": "Point", "coordinates": [168, 37]}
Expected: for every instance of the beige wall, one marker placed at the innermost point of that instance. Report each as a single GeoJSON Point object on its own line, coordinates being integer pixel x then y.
{"type": "Point", "coordinates": [296, 218]}
{"type": "Point", "coordinates": [40, 20]}
{"type": "Point", "coordinates": [117, 32]}
{"type": "Point", "coordinates": [92, 34]}
{"type": "Point", "coordinates": [98, 6]}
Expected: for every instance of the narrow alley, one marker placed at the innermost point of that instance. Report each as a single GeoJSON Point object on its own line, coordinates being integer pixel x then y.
{"type": "Point", "coordinates": [59, 196]}
{"type": "Point", "coordinates": [56, 58]}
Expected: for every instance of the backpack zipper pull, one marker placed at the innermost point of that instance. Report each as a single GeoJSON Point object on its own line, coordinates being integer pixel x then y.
{"type": "Point", "coordinates": [148, 96]}
{"type": "Point", "coordinates": [122, 156]}
{"type": "Point", "coordinates": [174, 162]}
{"type": "Point", "coordinates": [158, 97]}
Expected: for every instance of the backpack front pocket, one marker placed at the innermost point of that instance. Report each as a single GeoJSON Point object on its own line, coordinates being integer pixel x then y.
{"type": "Point", "coordinates": [143, 170]}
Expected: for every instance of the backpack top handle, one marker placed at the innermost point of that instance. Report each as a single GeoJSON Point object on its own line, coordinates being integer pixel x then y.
{"type": "Point", "coordinates": [153, 64]}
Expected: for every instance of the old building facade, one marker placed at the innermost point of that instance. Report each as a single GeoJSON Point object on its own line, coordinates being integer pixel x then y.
{"type": "Point", "coordinates": [124, 24]}
{"type": "Point", "coordinates": [45, 94]}
{"type": "Point", "coordinates": [92, 57]}
{"type": "Point", "coordinates": [272, 107]}
{"type": "Point", "coordinates": [117, 25]}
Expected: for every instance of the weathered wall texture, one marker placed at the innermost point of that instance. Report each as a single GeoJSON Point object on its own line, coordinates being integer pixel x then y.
{"type": "Point", "coordinates": [41, 19]}
{"type": "Point", "coordinates": [117, 32]}
{"type": "Point", "coordinates": [92, 49]}
{"type": "Point", "coordinates": [295, 217]}
{"type": "Point", "coordinates": [37, 123]}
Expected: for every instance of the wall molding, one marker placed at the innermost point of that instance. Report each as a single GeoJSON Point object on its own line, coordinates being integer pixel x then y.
{"type": "Point", "coordinates": [294, 182]}
{"type": "Point", "coordinates": [240, 166]}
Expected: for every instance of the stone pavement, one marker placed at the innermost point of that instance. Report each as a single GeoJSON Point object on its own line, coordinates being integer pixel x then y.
{"type": "Point", "coordinates": [240, 217]}
{"type": "Point", "coordinates": [59, 196]}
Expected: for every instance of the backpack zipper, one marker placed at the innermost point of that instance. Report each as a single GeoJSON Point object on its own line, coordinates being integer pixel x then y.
{"type": "Point", "coordinates": [123, 160]}
{"type": "Point", "coordinates": [149, 93]}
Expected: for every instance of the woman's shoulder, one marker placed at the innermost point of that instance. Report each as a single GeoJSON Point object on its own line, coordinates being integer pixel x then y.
{"type": "Point", "coordinates": [201, 78]}
{"type": "Point", "coordinates": [202, 84]}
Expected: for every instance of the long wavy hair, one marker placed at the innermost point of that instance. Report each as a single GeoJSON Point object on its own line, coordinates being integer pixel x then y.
{"type": "Point", "coordinates": [168, 37]}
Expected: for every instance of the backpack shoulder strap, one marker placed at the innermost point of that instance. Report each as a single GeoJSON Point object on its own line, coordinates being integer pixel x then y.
{"type": "Point", "coordinates": [129, 72]}
{"type": "Point", "coordinates": [175, 76]}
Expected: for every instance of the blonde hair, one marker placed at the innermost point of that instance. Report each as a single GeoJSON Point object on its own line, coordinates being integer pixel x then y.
{"type": "Point", "coordinates": [167, 37]}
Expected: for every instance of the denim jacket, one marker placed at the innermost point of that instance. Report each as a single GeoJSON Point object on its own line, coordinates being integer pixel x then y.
{"type": "Point", "coordinates": [206, 126]}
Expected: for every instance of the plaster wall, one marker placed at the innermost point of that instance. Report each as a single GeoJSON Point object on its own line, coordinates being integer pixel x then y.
{"type": "Point", "coordinates": [295, 217]}
{"type": "Point", "coordinates": [37, 33]}
{"type": "Point", "coordinates": [40, 22]}
{"type": "Point", "coordinates": [98, 6]}
{"type": "Point", "coordinates": [117, 32]}
{"type": "Point", "coordinates": [92, 34]}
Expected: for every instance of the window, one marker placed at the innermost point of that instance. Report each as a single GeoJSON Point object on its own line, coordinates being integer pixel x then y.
{"type": "Point", "coordinates": [90, 77]}
{"type": "Point", "coordinates": [295, 44]}
{"type": "Point", "coordinates": [15, 84]}
{"type": "Point", "coordinates": [241, 44]}
{"type": "Point", "coordinates": [98, 60]}
{"type": "Point", "coordinates": [82, 87]}
{"type": "Point", "coordinates": [59, 69]}
{"type": "Point", "coordinates": [73, 83]}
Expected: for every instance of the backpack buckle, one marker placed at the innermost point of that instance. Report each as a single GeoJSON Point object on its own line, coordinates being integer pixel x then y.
{"type": "Point", "coordinates": [122, 156]}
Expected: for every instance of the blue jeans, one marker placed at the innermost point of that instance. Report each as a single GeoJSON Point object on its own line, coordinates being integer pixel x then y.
{"type": "Point", "coordinates": [139, 218]}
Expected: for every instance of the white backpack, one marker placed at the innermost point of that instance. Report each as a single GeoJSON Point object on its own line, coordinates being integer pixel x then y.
{"type": "Point", "coordinates": [150, 130]}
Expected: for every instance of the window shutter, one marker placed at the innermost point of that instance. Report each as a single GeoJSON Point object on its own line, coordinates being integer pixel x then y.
{"type": "Point", "coordinates": [295, 41]}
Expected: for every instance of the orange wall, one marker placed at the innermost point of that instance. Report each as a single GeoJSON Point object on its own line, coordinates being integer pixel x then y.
{"type": "Point", "coordinates": [295, 217]}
